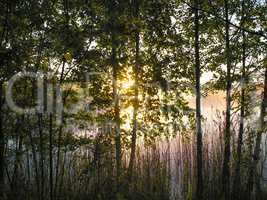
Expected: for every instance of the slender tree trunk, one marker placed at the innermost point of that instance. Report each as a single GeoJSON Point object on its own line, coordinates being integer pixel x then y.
{"type": "Point", "coordinates": [2, 137]}
{"type": "Point", "coordinates": [199, 194]}
{"type": "Point", "coordinates": [62, 174]}
{"type": "Point", "coordinates": [96, 163]}
{"type": "Point", "coordinates": [35, 163]}
{"type": "Point", "coordinates": [59, 133]}
{"type": "Point", "coordinates": [227, 136]}
{"type": "Point", "coordinates": [117, 117]}
{"type": "Point", "coordinates": [2, 144]}
{"type": "Point", "coordinates": [40, 119]}
{"type": "Point", "coordinates": [254, 178]}
{"type": "Point", "coordinates": [236, 182]}
{"type": "Point", "coordinates": [58, 159]}
{"type": "Point", "coordinates": [57, 173]}
{"type": "Point", "coordinates": [116, 97]}
{"type": "Point", "coordinates": [15, 180]}
{"type": "Point", "coordinates": [51, 154]}
{"type": "Point", "coordinates": [136, 101]}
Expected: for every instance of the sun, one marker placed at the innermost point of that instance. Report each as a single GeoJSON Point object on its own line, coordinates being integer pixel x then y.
{"type": "Point", "coordinates": [127, 84]}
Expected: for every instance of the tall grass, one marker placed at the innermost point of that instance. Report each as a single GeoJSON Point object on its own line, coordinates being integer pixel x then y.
{"type": "Point", "coordinates": [165, 169]}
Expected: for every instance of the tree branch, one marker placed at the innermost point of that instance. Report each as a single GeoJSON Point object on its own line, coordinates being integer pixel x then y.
{"type": "Point", "coordinates": [253, 32]}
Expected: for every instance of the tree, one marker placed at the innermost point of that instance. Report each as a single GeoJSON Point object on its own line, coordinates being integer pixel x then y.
{"type": "Point", "coordinates": [136, 90]}
{"type": "Point", "coordinates": [254, 176]}
{"type": "Point", "coordinates": [199, 194]}
{"type": "Point", "coordinates": [237, 181]}
{"type": "Point", "coordinates": [227, 136]}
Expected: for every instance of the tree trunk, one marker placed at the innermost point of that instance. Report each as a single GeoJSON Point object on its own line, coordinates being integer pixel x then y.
{"type": "Point", "coordinates": [19, 136]}
{"type": "Point", "coordinates": [236, 182]}
{"type": "Point", "coordinates": [136, 102]}
{"type": "Point", "coordinates": [34, 157]}
{"type": "Point", "coordinates": [253, 173]}
{"type": "Point", "coordinates": [227, 136]}
{"type": "Point", "coordinates": [41, 138]}
{"type": "Point", "coordinates": [116, 97]}
{"type": "Point", "coordinates": [199, 194]}
{"type": "Point", "coordinates": [60, 130]}
{"type": "Point", "coordinates": [2, 144]}
{"type": "Point", "coordinates": [51, 154]}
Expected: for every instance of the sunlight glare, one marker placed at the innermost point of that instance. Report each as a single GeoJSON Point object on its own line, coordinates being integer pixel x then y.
{"type": "Point", "coordinates": [127, 84]}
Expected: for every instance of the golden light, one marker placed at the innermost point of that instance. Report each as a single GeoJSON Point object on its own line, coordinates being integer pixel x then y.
{"type": "Point", "coordinates": [127, 84]}
{"type": "Point", "coordinates": [128, 112]}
